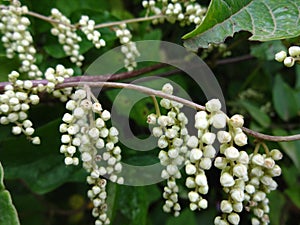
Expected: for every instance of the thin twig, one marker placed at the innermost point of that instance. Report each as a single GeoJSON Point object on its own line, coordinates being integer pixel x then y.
{"type": "Point", "coordinates": [234, 59]}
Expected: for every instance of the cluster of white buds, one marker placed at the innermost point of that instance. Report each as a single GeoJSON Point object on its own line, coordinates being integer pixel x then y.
{"type": "Point", "coordinates": [234, 170]}
{"type": "Point", "coordinates": [97, 194]}
{"type": "Point", "coordinates": [172, 136]}
{"type": "Point", "coordinates": [85, 129]}
{"type": "Point", "coordinates": [15, 103]}
{"type": "Point", "coordinates": [185, 12]}
{"type": "Point", "coordinates": [289, 61]}
{"type": "Point", "coordinates": [262, 169]}
{"type": "Point", "coordinates": [67, 36]}
{"type": "Point", "coordinates": [57, 76]}
{"type": "Point", "coordinates": [202, 153]}
{"type": "Point", "coordinates": [87, 26]}
{"type": "Point", "coordinates": [128, 47]}
{"type": "Point", "coordinates": [17, 39]}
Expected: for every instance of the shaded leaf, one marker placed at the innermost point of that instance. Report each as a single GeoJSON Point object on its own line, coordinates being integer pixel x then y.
{"type": "Point", "coordinates": [290, 148]}
{"type": "Point", "coordinates": [267, 50]}
{"type": "Point", "coordinates": [8, 213]}
{"type": "Point", "coordinates": [41, 167]}
{"type": "Point", "coordinates": [284, 99]}
{"type": "Point", "coordinates": [277, 202]}
{"type": "Point", "coordinates": [258, 115]}
{"type": "Point", "coordinates": [265, 19]}
{"type": "Point", "coordinates": [185, 217]}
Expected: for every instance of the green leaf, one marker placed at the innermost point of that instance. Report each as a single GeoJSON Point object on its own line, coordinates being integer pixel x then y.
{"type": "Point", "coordinates": [284, 99]}
{"type": "Point", "coordinates": [267, 50]}
{"type": "Point", "coordinates": [41, 167]}
{"type": "Point", "coordinates": [8, 213]}
{"type": "Point", "coordinates": [185, 217]}
{"type": "Point", "coordinates": [294, 195]}
{"type": "Point", "coordinates": [258, 115]}
{"type": "Point", "coordinates": [277, 202]}
{"type": "Point", "coordinates": [290, 148]}
{"type": "Point", "coordinates": [265, 19]}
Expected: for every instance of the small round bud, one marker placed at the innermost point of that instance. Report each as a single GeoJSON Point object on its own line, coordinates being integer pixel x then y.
{"type": "Point", "coordinates": [234, 218]}
{"type": "Point", "coordinates": [226, 206]}
{"type": "Point", "coordinates": [237, 121]}
{"type": "Point", "coordinates": [167, 88]}
{"type": "Point", "coordinates": [213, 105]}
{"type": "Point", "coordinates": [240, 139]}
{"type": "Point", "coordinates": [208, 138]}
{"type": "Point", "coordinates": [226, 180]}
{"type": "Point", "coordinates": [231, 153]}
{"type": "Point", "coordinates": [223, 136]}
{"type": "Point", "coordinates": [289, 61]}
{"type": "Point", "coordinates": [294, 51]}
{"type": "Point", "coordinates": [280, 56]}
{"type": "Point", "coordinates": [193, 142]}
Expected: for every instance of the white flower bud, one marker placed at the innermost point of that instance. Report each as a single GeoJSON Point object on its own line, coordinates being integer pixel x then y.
{"type": "Point", "coordinates": [240, 170]}
{"type": "Point", "coordinates": [172, 169]}
{"type": "Point", "coordinates": [220, 163]}
{"type": "Point", "coordinates": [97, 108]}
{"type": "Point", "coordinates": [190, 182]}
{"type": "Point", "coordinates": [259, 196]}
{"type": "Point", "coordinates": [164, 174]}
{"type": "Point", "coordinates": [29, 131]}
{"type": "Point", "coordinates": [79, 94]}
{"type": "Point", "coordinates": [203, 203]}
{"type": "Point", "coordinates": [201, 124]}
{"type": "Point", "coordinates": [258, 159]}
{"type": "Point", "coordinates": [34, 99]}
{"type": "Point", "coordinates": [71, 149]}
{"type": "Point", "coordinates": [219, 120]}
{"type": "Point", "coordinates": [269, 163]}
{"type": "Point", "coordinates": [289, 61]}
{"type": "Point", "coordinates": [105, 115]}
{"type": "Point", "coordinates": [65, 139]}
{"type": "Point", "coordinates": [163, 121]}
{"type": "Point", "coordinates": [193, 142]}
{"type": "Point", "coordinates": [78, 112]}
{"type": "Point", "coordinates": [205, 163]}
{"type": "Point", "coordinates": [86, 157]}
{"type": "Point", "coordinates": [193, 206]}
{"type": "Point", "coordinates": [276, 154]}
{"type": "Point", "coordinates": [213, 105]}
{"type": "Point", "coordinates": [234, 218]}
{"type": "Point", "coordinates": [94, 133]}
{"type": "Point", "coordinates": [68, 161]}
{"type": "Point", "coordinates": [237, 206]}
{"type": "Point", "coordinates": [162, 142]}
{"type": "Point", "coordinates": [16, 130]}
{"type": "Point", "coordinates": [208, 138]}
{"type": "Point", "coordinates": [237, 121]}
{"type": "Point", "coordinates": [226, 180]}
{"type": "Point", "coordinates": [231, 153]}
{"type": "Point", "coordinates": [294, 51]}
{"type": "Point", "coordinates": [203, 189]}
{"type": "Point", "coordinates": [226, 206]}
{"type": "Point", "coordinates": [237, 195]}
{"type": "Point", "coordinates": [201, 179]}
{"type": "Point", "coordinates": [276, 171]}
{"type": "Point", "coordinates": [243, 158]}
{"type": "Point", "coordinates": [193, 196]}
{"type": "Point", "coordinates": [255, 221]}
{"type": "Point", "coordinates": [151, 119]}
{"type": "Point", "coordinates": [171, 133]}
{"type": "Point", "coordinates": [223, 136]}
{"type": "Point", "coordinates": [167, 88]}
{"type": "Point", "coordinates": [190, 169]}
{"type": "Point", "coordinates": [36, 141]}
{"type": "Point", "coordinates": [173, 153]}
{"type": "Point", "coordinates": [209, 151]}
{"type": "Point", "coordinates": [240, 139]}
{"type": "Point", "coordinates": [195, 154]}
{"type": "Point", "coordinates": [280, 56]}
{"type": "Point", "coordinates": [201, 115]}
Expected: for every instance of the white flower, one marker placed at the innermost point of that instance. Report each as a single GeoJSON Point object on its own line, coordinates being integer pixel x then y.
{"type": "Point", "coordinates": [190, 169]}
{"type": "Point", "coordinates": [195, 154]}
{"type": "Point", "coordinates": [105, 115]}
{"type": "Point", "coordinates": [276, 154]}
{"type": "Point", "coordinates": [234, 218]}
{"type": "Point", "coordinates": [243, 158]}
{"type": "Point", "coordinates": [223, 136]}
{"type": "Point", "coordinates": [193, 142]}
{"type": "Point", "coordinates": [289, 61]}
{"type": "Point", "coordinates": [201, 179]}
{"type": "Point", "coordinates": [208, 138]}
{"type": "Point", "coordinates": [226, 180]}
{"type": "Point", "coordinates": [237, 121]}
{"type": "Point", "coordinates": [205, 163]}
{"type": "Point", "coordinates": [294, 51]}
{"type": "Point", "coordinates": [240, 170]}
{"type": "Point", "coordinates": [213, 105]}
{"type": "Point", "coordinates": [68, 161]}
{"type": "Point", "coordinates": [231, 153]}
{"type": "Point", "coordinates": [280, 56]}
{"type": "Point", "coordinates": [201, 115]}
{"type": "Point", "coordinates": [167, 88]}
{"type": "Point", "coordinates": [226, 206]}
{"type": "Point", "coordinates": [258, 159]}
{"type": "Point", "coordinates": [162, 142]}
{"type": "Point", "coordinates": [151, 119]}
{"type": "Point", "coordinates": [209, 151]}
{"type": "Point", "coordinates": [240, 139]}
{"type": "Point", "coordinates": [203, 203]}
{"type": "Point", "coordinates": [237, 195]}
{"type": "Point", "coordinates": [193, 196]}
{"type": "Point", "coordinates": [190, 182]}
{"type": "Point", "coordinates": [220, 162]}
{"type": "Point", "coordinates": [219, 120]}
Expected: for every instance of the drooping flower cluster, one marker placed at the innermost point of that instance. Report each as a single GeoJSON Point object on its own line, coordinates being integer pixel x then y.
{"type": "Point", "coordinates": [172, 137]}
{"type": "Point", "coordinates": [17, 39]}
{"type": "Point", "coordinates": [128, 47]}
{"type": "Point", "coordinates": [67, 36]}
{"type": "Point", "coordinates": [185, 12]}
{"type": "Point", "coordinates": [15, 103]}
{"type": "Point", "coordinates": [57, 76]}
{"type": "Point", "coordinates": [87, 26]}
{"type": "Point", "coordinates": [289, 61]}
{"type": "Point", "coordinates": [96, 143]}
